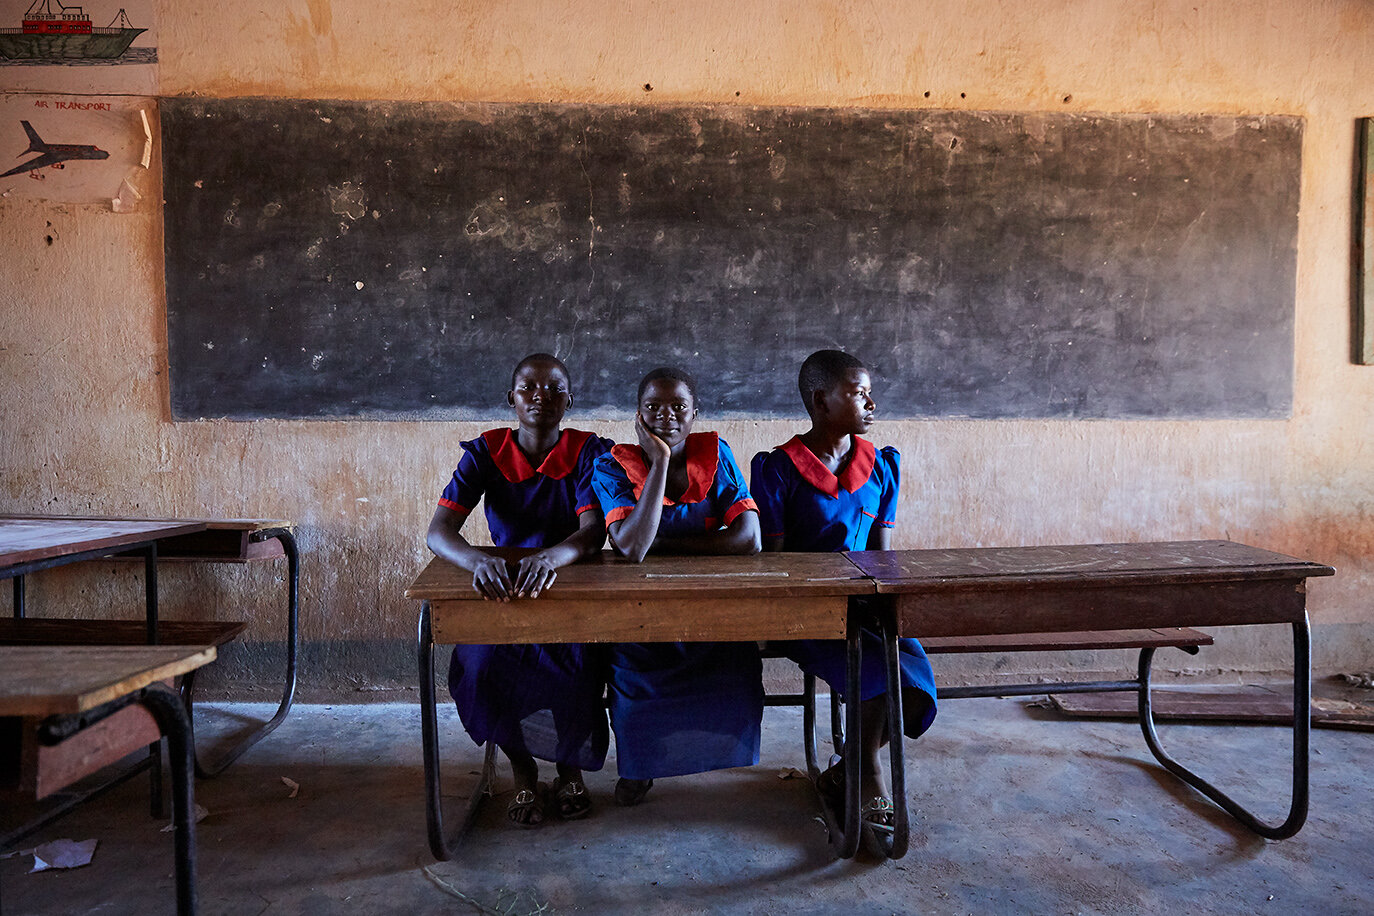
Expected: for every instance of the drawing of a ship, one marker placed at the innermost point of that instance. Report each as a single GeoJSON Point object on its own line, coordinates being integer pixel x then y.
{"type": "Point", "coordinates": [52, 31]}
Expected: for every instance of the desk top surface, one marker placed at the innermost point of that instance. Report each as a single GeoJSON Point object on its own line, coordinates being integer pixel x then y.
{"type": "Point", "coordinates": [28, 539]}
{"type": "Point", "coordinates": [209, 524]}
{"type": "Point", "coordinates": [1160, 562]}
{"type": "Point", "coordinates": [764, 575]}
{"type": "Point", "coordinates": [49, 680]}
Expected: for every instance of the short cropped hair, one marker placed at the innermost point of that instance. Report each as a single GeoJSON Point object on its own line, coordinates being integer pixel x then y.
{"type": "Point", "coordinates": [539, 358]}
{"type": "Point", "coordinates": [667, 372]}
{"type": "Point", "coordinates": [824, 369]}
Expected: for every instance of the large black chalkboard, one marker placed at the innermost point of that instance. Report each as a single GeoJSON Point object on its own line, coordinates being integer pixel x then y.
{"type": "Point", "coordinates": [394, 259]}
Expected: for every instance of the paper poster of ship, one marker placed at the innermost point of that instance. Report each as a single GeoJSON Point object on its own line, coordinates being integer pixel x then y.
{"type": "Point", "coordinates": [46, 45]}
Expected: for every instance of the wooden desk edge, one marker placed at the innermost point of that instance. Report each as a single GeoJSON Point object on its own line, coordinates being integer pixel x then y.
{"type": "Point", "coordinates": [237, 524]}
{"type": "Point", "coordinates": [653, 587]}
{"type": "Point", "coordinates": [895, 585]}
{"type": "Point", "coordinates": [222, 540]}
{"type": "Point", "coordinates": [112, 543]}
{"type": "Point", "coordinates": [72, 702]}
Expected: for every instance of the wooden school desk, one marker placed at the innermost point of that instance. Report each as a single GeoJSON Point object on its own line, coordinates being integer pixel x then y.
{"type": "Point", "coordinates": [205, 540]}
{"type": "Point", "coordinates": [60, 691]}
{"type": "Point", "coordinates": [663, 599]}
{"type": "Point", "coordinates": [29, 544]}
{"type": "Point", "coordinates": [978, 592]}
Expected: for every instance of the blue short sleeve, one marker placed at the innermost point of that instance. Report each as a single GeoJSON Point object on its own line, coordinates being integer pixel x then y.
{"type": "Point", "coordinates": [469, 479]}
{"type": "Point", "coordinates": [730, 487]}
{"type": "Point", "coordinates": [613, 489]}
{"type": "Point", "coordinates": [890, 460]}
{"type": "Point", "coordinates": [584, 491]}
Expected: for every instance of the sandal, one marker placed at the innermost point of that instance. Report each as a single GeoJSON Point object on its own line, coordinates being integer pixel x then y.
{"type": "Point", "coordinates": [876, 820]}
{"type": "Point", "coordinates": [571, 800]}
{"type": "Point", "coordinates": [878, 814]}
{"type": "Point", "coordinates": [526, 809]}
{"type": "Point", "coordinates": [630, 792]}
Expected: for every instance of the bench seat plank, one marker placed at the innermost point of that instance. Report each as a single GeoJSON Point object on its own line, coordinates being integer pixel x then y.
{"type": "Point", "coordinates": [1050, 642]}
{"type": "Point", "coordinates": [47, 631]}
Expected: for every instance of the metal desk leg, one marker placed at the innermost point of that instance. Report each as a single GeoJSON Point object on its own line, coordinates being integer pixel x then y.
{"type": "Point", "coordinates": [288, 542]}
{"type": "Point", "coordinates": [167, 709]}
{"type": "Point", "coordinates": [1302, 727]}
{"type": "Point", "coordinates": [809, 725]}
{"type": "Point", "coordinates": [155, 803]}
{"type": "Point", "coordinates": [441, 845]}
{"type": "Point", "coordinates": [844, 837]}
{"type": "Point", "coordinates": [896, 846]}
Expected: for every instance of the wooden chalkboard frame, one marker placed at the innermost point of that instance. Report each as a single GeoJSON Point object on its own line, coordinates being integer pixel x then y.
{"type": "Point", "coordinates": [1364, 219]}
{"type": "Point", "coordinates": [392, 260]}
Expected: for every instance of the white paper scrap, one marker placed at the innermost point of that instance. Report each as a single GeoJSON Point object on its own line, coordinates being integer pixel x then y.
{"type": "Point", "coordinates": [147, 139]}
{"type": "Point", "coordinates": [63, 854]}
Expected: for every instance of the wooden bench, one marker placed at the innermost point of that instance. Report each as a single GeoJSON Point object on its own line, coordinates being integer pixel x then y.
{"type": "Point", "coordinates": [47, 631]}
{"type": "Point", "coordinates": [1185, 638]}
{"type": "Point", "coordinates": [1189, 640]}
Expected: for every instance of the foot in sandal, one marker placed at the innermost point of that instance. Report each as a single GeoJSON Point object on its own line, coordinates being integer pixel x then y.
{"type": "Point", "coordinates": [876, 802]}
{"type": "Point", "coordinates": [570, 799]}
{"type": "Point", "coordinates": [526, 808]}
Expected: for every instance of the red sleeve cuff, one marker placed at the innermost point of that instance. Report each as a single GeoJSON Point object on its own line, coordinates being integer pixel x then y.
{"type": "Point", "coordinates": [618, 513]}
{"type": "Point", "coordinates": [744, 505]}
{"type": "Point", "coordinates": [450, 504]}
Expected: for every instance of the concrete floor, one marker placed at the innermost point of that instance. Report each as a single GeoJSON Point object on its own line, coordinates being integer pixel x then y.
{"type": "Point", "coordinates": [1019, 811]}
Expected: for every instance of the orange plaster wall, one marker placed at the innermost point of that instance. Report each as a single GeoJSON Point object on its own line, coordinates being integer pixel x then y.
{"type": "Point", "coordinates": [84, 425]}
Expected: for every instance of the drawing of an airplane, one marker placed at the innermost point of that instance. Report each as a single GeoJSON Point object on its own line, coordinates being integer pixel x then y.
{"type": "Point", "coordinates": [52, 154]}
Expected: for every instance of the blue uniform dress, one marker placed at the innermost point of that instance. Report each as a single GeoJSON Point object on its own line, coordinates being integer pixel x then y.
{"type": "Point", "coordinates": [545, 700]}
{"type": "Point", "coordinates": [811, 509]}
{"type": "Point", "coordinates": [681, 708]}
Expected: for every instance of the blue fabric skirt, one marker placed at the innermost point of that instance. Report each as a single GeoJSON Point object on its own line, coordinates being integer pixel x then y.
{"type": "Point", "coordinates": [543, 700]}
{"type": "Point", "coordinates": [680, 708]}
{"type": "Point", "coordinates": [825, 659]}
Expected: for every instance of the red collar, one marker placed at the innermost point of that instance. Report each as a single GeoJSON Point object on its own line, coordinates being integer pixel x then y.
{"type": "Point", "coordinates": [516, 468]}
{"type": "Point", "coordinates": [852, 476]}
{"type": "Point", "coordinates": [703, 454]}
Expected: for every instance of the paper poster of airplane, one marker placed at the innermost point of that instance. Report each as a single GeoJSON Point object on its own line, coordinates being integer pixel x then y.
{"type": "Point", "coordinates": [76, 149]}
{"type": "Point", "coordinates": [52, 155]}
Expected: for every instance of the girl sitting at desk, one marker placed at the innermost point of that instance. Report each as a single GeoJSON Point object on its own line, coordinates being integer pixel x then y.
{"type": "Point", "coordinates": [678, 708]}
{"type": "Point", "coordinates": [829, 489]}
{"type": "Point", "coordinates": [533, 700]}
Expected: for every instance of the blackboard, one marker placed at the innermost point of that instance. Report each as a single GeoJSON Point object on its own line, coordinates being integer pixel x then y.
{"type": "Point", "coordinates": [395, 259]}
